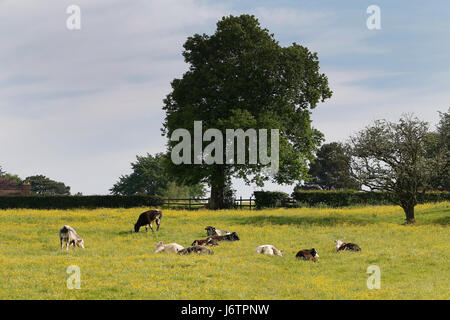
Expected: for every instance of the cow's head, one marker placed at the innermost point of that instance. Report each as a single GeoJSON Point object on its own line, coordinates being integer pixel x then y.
{"type": "Point", "coordinates": [338, 243]}
{"type": "Point", "coordinates": [234, 237]}
{"type": "Point", "coordinates": [210, 230]}
{"type": "Point", "coordinates": [159, 246]}
{"type": "Point", "coordinates": [80, 243]}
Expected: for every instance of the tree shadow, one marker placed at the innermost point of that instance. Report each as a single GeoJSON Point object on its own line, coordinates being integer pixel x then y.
{"type": "Point", "coordinates": [295, 220]}
{"type": "Point", "coordinates": [443, 221]}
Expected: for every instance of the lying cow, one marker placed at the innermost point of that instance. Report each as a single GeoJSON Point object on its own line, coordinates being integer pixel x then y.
{"type": "Point", "coordinates": [171, 247]}
{"type": "Point", "coordinates": [196, 249]}
{"type": "Point", "coordinates": [206, 242]}
{"type": "Point", "coordinates": [346, 246]}
{"type": "Point", "coordinates": [211, 231]}
{"type": "Point", "coordinates": [228, 237]}
{"type": "Point", "coordinates": [269, 250]}
{"type": "Point", "coordinates": [146, 218]}
{"type": "Point", "coordinates": [68, 235]}
{"type": "Point", "coordinates": [307, 254]}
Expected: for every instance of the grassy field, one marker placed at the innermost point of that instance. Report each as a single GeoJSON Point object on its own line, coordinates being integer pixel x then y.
{"type": "Point", "coordinates": [117, 264]}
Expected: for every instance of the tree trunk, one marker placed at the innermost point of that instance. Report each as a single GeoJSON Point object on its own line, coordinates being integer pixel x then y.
{"type": "Point", "coordinates": [217, 183]}
{"type": "Point", "coordinates": [216, 200]}
{"type": "Point", "coordinates": [409, 211]}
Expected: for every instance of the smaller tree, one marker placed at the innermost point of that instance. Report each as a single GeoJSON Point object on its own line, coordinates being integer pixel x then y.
{"type": "Point", "coordinates": [391, 157]}
{"type": "Point", "coordinates": [150, 177]}
{"type": "Point", "coordinates": [44, 186]}
{"type": "Point", "coordinates": [331, 169]}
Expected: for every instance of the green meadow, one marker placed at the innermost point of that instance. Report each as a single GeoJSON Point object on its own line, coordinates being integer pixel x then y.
{"type": "Point", "coordinates": [118, 264]}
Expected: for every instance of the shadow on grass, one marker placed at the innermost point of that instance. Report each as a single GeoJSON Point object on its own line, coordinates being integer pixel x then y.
{"type": "Point", "coordinates": [443, 221]}
{"type": "Point", "coordinates": [295, 220]}
{"type": "Point", "coordinates": [125, 233]}
{"type": "Point", "coordinates": [141, 233]}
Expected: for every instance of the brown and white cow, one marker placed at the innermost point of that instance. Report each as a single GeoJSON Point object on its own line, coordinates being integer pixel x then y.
{"type": "Point", "coordinates": [228, 237]}
{"type": "Point", "coordinates": [146, 218]}
{"type": "Point", "coordinates": [307, 254]}
{"type": "Point", "coordinates": [340, 246]}
{"type": "Point", "coordinates": [211, 231]}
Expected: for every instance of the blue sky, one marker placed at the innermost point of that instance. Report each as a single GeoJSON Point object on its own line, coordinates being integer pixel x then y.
{"type": "Point", "coordinates": [78, 106]}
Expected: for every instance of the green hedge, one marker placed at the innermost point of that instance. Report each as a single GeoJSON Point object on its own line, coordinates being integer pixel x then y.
{"type": "Point", "coordinates": [350, 197]}
{"type": "Point", "coordinates": [71, 202]}
{"type": "Point", "coordinates": [270, 199]}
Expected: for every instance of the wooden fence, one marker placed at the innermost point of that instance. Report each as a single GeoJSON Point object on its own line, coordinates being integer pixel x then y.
{"type": "Point", "coordinates": [197, 203]}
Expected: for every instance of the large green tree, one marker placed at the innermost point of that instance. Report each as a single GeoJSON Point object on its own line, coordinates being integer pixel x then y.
{"type": "Point", "coordinates": [150, 177]}
{"type": "Point", "coordinates": [241, 78]}
{"type": "Point", "coordinates": [45, 186]}
{"type": "Point", "coordinates": [331, 169]}
{"type": "Point", "coordinates": [392, 157]}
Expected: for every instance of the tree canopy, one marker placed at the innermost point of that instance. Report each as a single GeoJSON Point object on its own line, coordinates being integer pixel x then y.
{"type": "Point", "coordinates": [392, 157]}
{"type": "Point", "coordinates": [330, 170]}
{"type": "Point", "coordinates": [241, 78]}
{"type": "Point", "coordinates": [45, 186]}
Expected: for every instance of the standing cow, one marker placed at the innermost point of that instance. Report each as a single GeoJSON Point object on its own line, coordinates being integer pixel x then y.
{"type": "Point", "coordinates": [68, 235]}
{"type": "Point", "coordinates": [147, 218]}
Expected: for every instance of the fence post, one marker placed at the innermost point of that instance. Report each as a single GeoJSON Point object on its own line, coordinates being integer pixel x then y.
{"type": "Point", "coordinates": [240, 203]}
{"type": "Point", "coordinates": [250, 203]}
{"type": "Point", "coordinates": [189, 203]}
{"type": "Point", "coordinates": [168, 203]}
